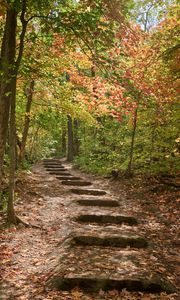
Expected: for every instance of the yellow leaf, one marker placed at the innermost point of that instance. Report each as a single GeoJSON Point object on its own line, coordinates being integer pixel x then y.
{"type": "Point", "coordinates": [76, 294]}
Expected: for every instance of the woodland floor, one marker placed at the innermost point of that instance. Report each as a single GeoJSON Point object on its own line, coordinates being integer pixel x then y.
{"type": "Point", "coordinates": [28, 256]}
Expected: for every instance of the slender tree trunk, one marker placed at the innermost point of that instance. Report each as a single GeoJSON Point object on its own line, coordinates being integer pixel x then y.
{"type": "Point", "coordinates": [11, 216]}
{"type": "Point", "coordinates": [84, 134]}
{"type": "Point", "coordinates": [16, 148]}
{"type": "Point", "coordinates": [63, 136]}
{"type": "Point", "coordinates": [70, 150]}
{"type": "Point", "coordinates": [6, 68]}
{"type": "Point", "coordinates": [26, 121]}
{"type": "Point", "coordinates": [129, 168]}
{"type": "Point", "coordinates": [33, 141]}
{"type": "Point", "coordinates": [63, 141]}
{"type": "Point", "coordinates": [152, 141]}
{"type": "Point", "coordinates": [76, 138]}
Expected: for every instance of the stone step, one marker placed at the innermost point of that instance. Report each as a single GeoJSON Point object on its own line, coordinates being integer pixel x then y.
{"type": "Point", "coordinates": [98, 202]}
{"type": "Point", "coordinates": [88, 192]}
{"type": "Point", "coordinates": [94, 284]}
{"type": "Point", "coordinates": [76, 182]}
{"type": "Point", "coordinates": [68, 177]}
{"type": "Point", "coordinates": [60, 173]}
{"type": "Point", "coordinates": [120, 241]}
{"type": "Point", "coordinates": [56, 169]}
{"type": "Point", "coordinates": [54, 166]}
{"type": "Point", "coordinates": [104, 219]}
{"type": "Point", "coordinates": [52, 163]}
{"type": "Point", "coordinates": [96, 268]}
{"type": "Point", "coordinates": [113, 230]}
{"type": "Point", "coordinates": [108, 236]}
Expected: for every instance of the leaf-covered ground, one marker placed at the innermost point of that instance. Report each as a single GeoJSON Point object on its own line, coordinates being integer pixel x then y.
{"type": "Point", "coordinates": [29, 255]}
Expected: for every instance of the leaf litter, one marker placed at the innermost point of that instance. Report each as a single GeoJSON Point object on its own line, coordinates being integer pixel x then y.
{"type": "Point", "coordinates": [29, 255]}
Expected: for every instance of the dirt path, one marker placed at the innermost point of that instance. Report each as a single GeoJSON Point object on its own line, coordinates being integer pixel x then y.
{"type": "Point", "coordinates": [29, 255]}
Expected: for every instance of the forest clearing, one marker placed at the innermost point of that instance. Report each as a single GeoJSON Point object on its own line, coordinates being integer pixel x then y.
{"type": "Point", "coordinates": [89, 150]}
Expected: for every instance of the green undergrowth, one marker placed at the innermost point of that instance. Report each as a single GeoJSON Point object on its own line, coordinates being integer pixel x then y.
{"type": "Point", "coordinates": [156, 147]}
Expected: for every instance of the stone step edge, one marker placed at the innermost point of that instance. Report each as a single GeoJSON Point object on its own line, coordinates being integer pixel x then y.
{"type": "Point", "coordinates": [68, 178]}
{"type": "Point", "coordinates": [97, 202]}
{"type": "Point", "coordinates": [155, 284]}
{"type": "Point", "coordinates": [76, 182]}
{"type": "Point", "coordinates": [105, 219]}
{"type": "Point", "coordinates": [94, 192]}
{"type": "Point", "coordinates": [110, 241]}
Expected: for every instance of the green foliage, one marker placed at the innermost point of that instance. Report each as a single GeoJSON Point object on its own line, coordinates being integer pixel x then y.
{"type": "Point", "coordinates": [156, 145]}
{"type": "Point", "coordinates": [59, 27]}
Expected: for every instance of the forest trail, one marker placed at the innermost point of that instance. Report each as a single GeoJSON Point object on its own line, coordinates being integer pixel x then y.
{"type": "Point", "coordinates": [89, 237]}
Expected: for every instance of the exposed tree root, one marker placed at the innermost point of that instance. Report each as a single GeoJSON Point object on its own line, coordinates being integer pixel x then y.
{"type": "Point", "coordinates": [20, 221]}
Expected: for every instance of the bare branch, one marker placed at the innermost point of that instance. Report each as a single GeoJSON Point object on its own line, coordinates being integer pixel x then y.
{"type": "Point", "coordinates": [41, 17]}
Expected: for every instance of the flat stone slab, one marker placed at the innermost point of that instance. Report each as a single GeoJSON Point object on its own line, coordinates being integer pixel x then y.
{"type": "Point", "coordinates": [120, 241]}
{"type": "Point", "coordinates": [96, 268]}
{"type": "Point", "coordinates": [93, 284]}
{"type": "Point", "coordinates": [56, 169]}
{"type": "Point", "coordinates": [52, 163]}
{"type": "Point", "coordinates": [109, 230]}
{"type": "Point", "coordinates": [104, 219]}
{"type": "Point", "coordinates": [51, 159]}
{"type": "Point", "coordinates": [54, 166]}
{"type": "Point", "coordinates": [60, 173]}
{"type": "Point", "coordinates": [68, 177]}
{"type": "Point", "coordinates": [76, 182]}
{"type": "Point", "coordinates": [88, 192]}
{"type": "Point", "coordinates": [98, 202]}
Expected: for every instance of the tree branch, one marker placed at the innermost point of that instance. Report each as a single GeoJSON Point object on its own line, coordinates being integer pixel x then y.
{"type": "Point", "coordinates": [146, 16]}
{"type": "Point", "coordinates": [41, 17]}
{"type": "Point", "coordinates": [23, 32]}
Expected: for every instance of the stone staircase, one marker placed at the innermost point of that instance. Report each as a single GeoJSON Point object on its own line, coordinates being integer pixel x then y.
{"type": "Point", "coordinates": [104, 250]}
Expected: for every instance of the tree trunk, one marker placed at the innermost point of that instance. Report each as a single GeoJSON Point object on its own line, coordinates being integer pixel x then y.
{"type": "Point", "coordinates": [63, 141]}
{"type": "Point", "coordinates": [26, 122]}
{"type": "Point", "coordinates": [152, 141]}
{"type": "Point", "coordinates": [11, 216]}
{"type": "Point", "coordinates": [33, 141]}
{"type": "Point", "coordinates": [70, 153]}
{"type": "Point", "coordinates": [9, 68]}
{"type": "Point", "coordinates": [76, 138]}
{"type": "Point", "coordinates": [6, 68]}
{"type": "Point", "coordinates": [129, 168]}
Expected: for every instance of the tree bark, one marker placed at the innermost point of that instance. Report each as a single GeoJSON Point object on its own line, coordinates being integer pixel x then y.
{"type": "Point", "coordinates": [9, 70]}
{"type": "Point", "coordinates": [11, 216]}
{"type": "Point", "coordinates": [70, 150]}
{"type": "Point", "coordinates": [129, 168]}
{"type": "Point", "coordinates": [76, 138]}
{"type": "Point", "coordinates": [152, 140]}
{"type": "Point", "coordinates": [63, 141]}
{"type": "Point", "coordinates": [6, 68]}
{"type": "Point", "coordinates": [33, 141]}
{"type": "Point", "coordinates": [26, 122]}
